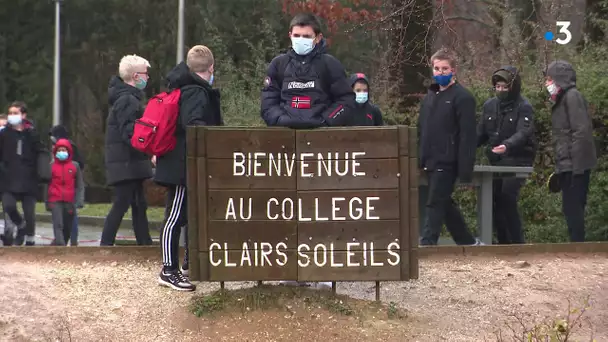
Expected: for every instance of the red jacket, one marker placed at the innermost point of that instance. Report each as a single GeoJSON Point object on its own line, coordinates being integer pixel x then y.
{"type": "Point", "coordinates": [66, 179]}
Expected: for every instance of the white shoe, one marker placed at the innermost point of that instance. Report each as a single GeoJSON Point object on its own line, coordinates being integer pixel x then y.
{"type": "Point", "coordinates": [478, 242]}
{"type": "Point", "coordinates": [324, 285]}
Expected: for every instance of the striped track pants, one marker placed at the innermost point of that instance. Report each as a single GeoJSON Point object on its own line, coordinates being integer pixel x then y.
{"type": "Point", "coordinates": [176, 217]}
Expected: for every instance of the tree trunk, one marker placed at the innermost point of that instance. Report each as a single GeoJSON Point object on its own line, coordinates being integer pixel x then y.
{"type": "Point", "coordinates": [409, 47]}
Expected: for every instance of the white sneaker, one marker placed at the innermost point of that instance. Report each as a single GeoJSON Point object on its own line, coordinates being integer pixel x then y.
{"type": "Point", "coordinates": [323, 285]}
{"type": "Point", "coordinates": [478, 242]}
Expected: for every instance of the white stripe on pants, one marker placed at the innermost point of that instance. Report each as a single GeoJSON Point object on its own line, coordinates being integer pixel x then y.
{"type": "Point", "coordinates": [175, 219]}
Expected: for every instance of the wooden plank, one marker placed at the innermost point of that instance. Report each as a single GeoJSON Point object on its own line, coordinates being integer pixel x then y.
{"type": "Point", "coordinates": [225, 265]}
{"type": "Point", "coordinates": [191, 143]}
{"type": "Point", "coordinates": [253, 233]}
{"type": "Point", "coordinates": [405, 265]}
{"type": "Point", "coordinates": [374, 143]}
{"type": "Point", "coordinates": [223, 142]}
{"type": "Point", "coordinates": [223, 174]}
{"type": "Point", "coordinates": [355, 233]}
{"type": "Point", "coordinates": [320, 268]}
{"type": "Point", "coordinates": [201, 142]}
{"type": "Point", "coordinates": [348, 174]}
{"type": "Point", "coordinates": [414, 264]}
{"type": "Point", "coordinates": [348, 205]}
{"type": "Point", "coordinates": [404, 210]}
{"type": "Point", "coordinates": [192, 179]}
{"type": "Point", "coordinates": [202, 208]}
{"type": "Point", "coordinates": [414, 181]}
{"type": "Point", "coordinates": [414, 217]}
{"type": "Point", "coordinates": [413, 138]}
{"type": "Point", "coordinates": [256, 205]}
{"type": "Point", "coordinates": [203, 265]}
{"type": "Point", "coordinates": [404, 140]}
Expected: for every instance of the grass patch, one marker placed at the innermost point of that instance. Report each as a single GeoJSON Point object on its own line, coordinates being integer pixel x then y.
{"type": "Point", "coordinates": [290, 299]}
{"type": "Point", "coordinates": [102, 209]}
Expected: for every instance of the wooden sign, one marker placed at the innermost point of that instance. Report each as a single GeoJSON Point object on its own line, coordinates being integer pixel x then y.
{"type": "Point", "coordinates": [336, 204]}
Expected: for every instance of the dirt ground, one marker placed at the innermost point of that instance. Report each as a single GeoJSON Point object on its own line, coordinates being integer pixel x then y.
{"type": "Point", "coordinates": [455, 299]}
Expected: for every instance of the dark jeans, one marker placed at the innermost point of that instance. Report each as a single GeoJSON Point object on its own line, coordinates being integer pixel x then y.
{"type": "Point", "coordinates": [127, 194]}
{"type": "Point", "coordinates": [176, 217]}
{"type": "Point", "coordinates": [28, 204]}
{"type": "Point", "coordinates": [63, 219]}
{"type": "Point", "coordinates": [507, 220]}
{"type": "Point", "coordinates": [74, 236]}
{"type": "Point", "coordinates": [574, 200]}
{"type": "Point", "coordinates": [440, 208]}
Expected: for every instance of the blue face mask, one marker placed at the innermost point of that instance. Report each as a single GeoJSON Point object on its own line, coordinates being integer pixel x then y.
{"type": "Point", "coordinates": [141, 84]}
{"type": "Point", "coordinates": [211, 79]}
{"type": "Point", "coordinates": [443, 80]}
{"type": "Point", "coordinates": [61, 155]}
{"type": "Point", "coordinates": [302, 46]}
{"type": "Point", "coordinates": [2, 128]}
{"type": "Point", "coordinates": [361, 97]}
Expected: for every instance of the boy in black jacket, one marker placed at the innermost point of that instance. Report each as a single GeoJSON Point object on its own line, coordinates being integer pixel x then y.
{"type": "Point", "coordinates": [20, 147]}
{"type": "Point", "coordinates": [61, 132]}
{"type": "Point", "coordinates": [199, 106]}
{"type": "Point", "coordinates": [306, 87]}
{"type": "Point", "coordinates": [365, 113]}
{"type": "Point", "coordinates": [448, 140]}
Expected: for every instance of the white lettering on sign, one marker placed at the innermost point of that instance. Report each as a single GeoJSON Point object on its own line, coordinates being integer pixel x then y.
{"type": "Point", "coordinates": [231, 211]}
{"type": "Point", "coordinates": [355, 208]}
{"type": "Point", "coordinates": [301, 85]}
{"type": "Point", "coordinates": [262, 164]}
{"type": "Point", "coordinates": [265, 254]}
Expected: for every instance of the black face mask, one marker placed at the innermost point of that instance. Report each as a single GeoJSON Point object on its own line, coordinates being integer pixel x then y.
{"type": "Point", "coordinates": [502, 95]}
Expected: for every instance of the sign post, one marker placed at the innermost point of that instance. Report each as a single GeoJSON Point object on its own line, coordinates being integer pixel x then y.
{"type": "Point", "coordinates": [334, 204]}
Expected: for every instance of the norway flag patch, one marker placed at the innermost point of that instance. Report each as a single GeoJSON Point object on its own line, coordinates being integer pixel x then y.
{"type": "Point", "coordinates": [300, 102]}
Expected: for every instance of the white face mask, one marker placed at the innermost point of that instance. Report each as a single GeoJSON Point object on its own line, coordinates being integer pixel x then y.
{"type": "Point", "coordinates": [14, 119]}
{"type": "Point", "coordinates": [552, 89]}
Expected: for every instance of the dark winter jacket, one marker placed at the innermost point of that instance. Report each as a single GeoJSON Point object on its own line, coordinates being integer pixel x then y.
{"type": "Point", "coordinates": [60, 132]}
{"type": "Point", "coordinates": [447, 125]}
{"type": "Point", "coordinates": [572, 129]}
{"type": "Point", "coordinates": [199, 105]}
{"type": "Point", "coordinates": [123, 162]}
{"type": "Point", "coordinates": [364, 114]}
{"type": "Point", "coordinates": [307, 91]}
{"type": "Point", "coordinates": [508, 122]}
{"type": "Point", "coordinates": [19, 153]}
{"type": "Point", "coordinates": [67, 184]}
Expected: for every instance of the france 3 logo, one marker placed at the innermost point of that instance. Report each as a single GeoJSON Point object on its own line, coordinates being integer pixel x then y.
{"type": "Point", "coordinates": [562, 27]}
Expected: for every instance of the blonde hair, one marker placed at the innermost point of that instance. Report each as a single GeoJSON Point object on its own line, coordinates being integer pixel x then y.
{"type": "Point", "coordinates": [444, 55]}
{"type": "Point", "coordinates": [131, 64]}
{"type": "Point", "coordinates": [199, 59]}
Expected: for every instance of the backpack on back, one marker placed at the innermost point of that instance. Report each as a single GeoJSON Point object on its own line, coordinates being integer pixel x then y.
{"type": "Point", "coordinates": [154, 133]}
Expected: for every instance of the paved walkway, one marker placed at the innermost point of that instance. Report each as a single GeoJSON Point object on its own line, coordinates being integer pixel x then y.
{"type": "Point", "coordinates": [87, 235]}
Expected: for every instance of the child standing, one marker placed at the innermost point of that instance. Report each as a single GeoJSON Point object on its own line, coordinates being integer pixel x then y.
{"type": "Point", "coordinates": [61, 132]}
{"type": "Point", "coordinates": [366, 113]}
{"type": "Point", "coordinates": [66, 191]}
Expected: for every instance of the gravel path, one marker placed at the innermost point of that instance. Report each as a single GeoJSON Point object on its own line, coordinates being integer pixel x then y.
{"type": "Point", "coordinates": [456, 299]}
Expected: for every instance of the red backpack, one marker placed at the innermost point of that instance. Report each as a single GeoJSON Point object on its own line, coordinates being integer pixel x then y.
{"type": "Point", "coordinates": [154, 133]}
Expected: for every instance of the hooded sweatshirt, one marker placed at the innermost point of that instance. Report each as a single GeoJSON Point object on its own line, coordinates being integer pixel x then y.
{"type": "Point", "coordinates": [508, 121]}
{"type": "Point", "coordinates": [67, 183]}
{"type": "Point", "coordinates": [60, 132]}
{"type": "Point", "coordinates": [199, 105]}
{"type": "Point", "coordinates": [572, 128]}
{"type": "Point", "coordinates": [365, 114]}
